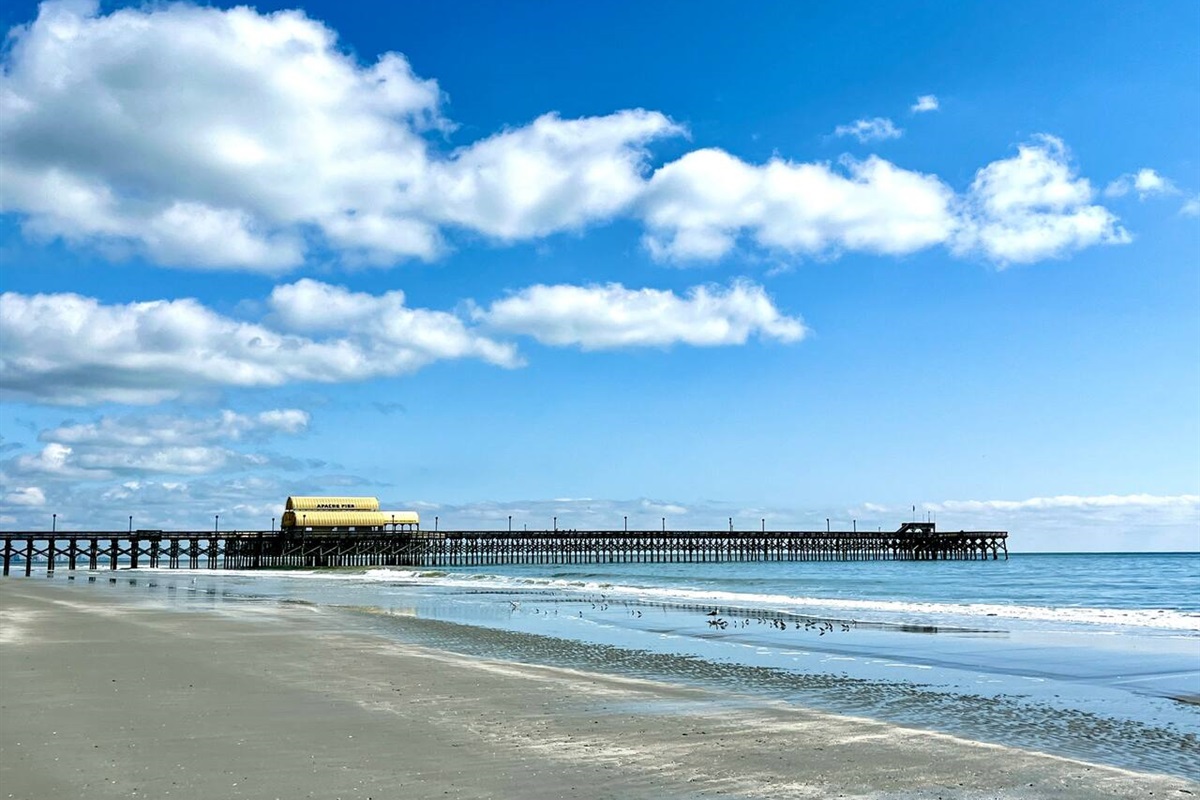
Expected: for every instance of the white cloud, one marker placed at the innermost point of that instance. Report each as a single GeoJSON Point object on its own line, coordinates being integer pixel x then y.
{"type": "Point", "coordinates": [140, 445]}
{"type": "Point", "coordinates": [1075, 502]}
{"type": "Point", "coordinates": [74, 350]}
{"type": "Point", "coordinates": [104, 462]}
{"type": "Point", "coordinates": [158, 431]}
{"type": "Point", "coordinates": [870, 130]}
{"type": "Point", "coordinates": [218, 139]}
{"type": "Point", "coordinates": [697, 206]}
{"type": "Point", "coordinates": [55, 460]}
{"type": "Point", "coordinates": [206, 137]}
{"type": "Point", "coordinates": [69, 349]}
{"type": "Point", "coordinates": [1146, 182]}
{"type": "Point", "coordinates": [228, 139]}
{"type": "Point", "coordinates": [392, 338]}
{"type": "Point", "coordinates": [246, 501]}
{"type": "Point", "coordinates": [1191, 207]}
{"type": "Point", "coordinates": [926, 102]}
{"type": "Point", "coordinates": [552, 175]}
{"type": "Point", "coordinates": [282, 420]}
{"type": "Point", "coordinates": [610, 316]}
{"type": "Point", "coordinates": [26, 496]}
{"type": "Point", "coordinates": [1033, 206]}
{"type": "Point", "coordinates": [1029, 207]}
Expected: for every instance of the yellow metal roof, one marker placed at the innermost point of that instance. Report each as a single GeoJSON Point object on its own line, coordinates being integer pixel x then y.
{"type": "Point", "coordinates": [332, 504]}
{"type": "Point", "coordinates": [349, 519]}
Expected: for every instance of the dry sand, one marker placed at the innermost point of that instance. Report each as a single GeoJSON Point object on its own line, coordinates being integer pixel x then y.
{"type": "Point", "coordinates": [104, 697]}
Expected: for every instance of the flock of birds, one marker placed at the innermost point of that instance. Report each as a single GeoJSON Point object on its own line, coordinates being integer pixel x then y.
{"type": "Point", "coordinates": [601, 605]}
{"type": "Point", "coordinates": [822, 626]}
{"type": "Point", "coordinates": [715, 619]}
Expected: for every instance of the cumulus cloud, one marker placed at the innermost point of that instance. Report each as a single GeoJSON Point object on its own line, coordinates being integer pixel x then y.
{"type": "Point", "coordinates": [228, 139]}
{"type": "Point", "coordinates": [552, 175]}
{"type": "Point", "coordinates": [392, 338]}
{"type": "Point", "coordinates": [70, 349]}
{"type": "Point", "coordinates": [697, 206]}
{"type": "Point", "coordinates": [217, 139]}
{"type": "Point", "coordinates": [609, 316]}
{"type": "Point", "coordinates": [1033, 206]}
{"type": "Point", "coordinates": [54, 460]}
{"type": "Point", "coordinates": [1191, 207]}
{"type": "Point", "coordinates": [876, 129]}
{"type": "Point", "coordinates": [1026, 208]}
{"type": "Point", "coordinates": [25, 496]}
{"type": "Point", "coordinates": [926, 102]}
{"type": "Point", "coordinates": [1146, 182]}
{"type": "Point", "coordinates": [130, 449]}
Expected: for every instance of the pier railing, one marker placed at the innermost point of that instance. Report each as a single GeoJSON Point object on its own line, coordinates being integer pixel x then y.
{"type": "Point", "coordinates": [272, 549]}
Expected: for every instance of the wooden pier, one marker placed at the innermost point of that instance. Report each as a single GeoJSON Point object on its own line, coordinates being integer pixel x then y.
{"type": "Point", "coordinates": [93, 550]}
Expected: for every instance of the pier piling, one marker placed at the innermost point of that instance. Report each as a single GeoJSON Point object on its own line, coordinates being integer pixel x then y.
{"type": "Point", "coordinates": [274, 549]}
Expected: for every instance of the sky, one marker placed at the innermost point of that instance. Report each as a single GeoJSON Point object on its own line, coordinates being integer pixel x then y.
{"type": "Point", "coordinates": [674, 264]}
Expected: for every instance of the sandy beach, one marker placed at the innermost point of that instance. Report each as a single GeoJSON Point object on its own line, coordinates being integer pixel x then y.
{"type": "Point", "coordinates": [106, 696]}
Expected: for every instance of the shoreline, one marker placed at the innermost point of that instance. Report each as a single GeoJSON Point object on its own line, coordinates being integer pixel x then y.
{"type": "Point", "coordinates": [115, 697]}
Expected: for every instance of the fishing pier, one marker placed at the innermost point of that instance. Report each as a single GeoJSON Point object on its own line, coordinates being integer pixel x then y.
{"type": "Point", "coordinates": [247, 550]}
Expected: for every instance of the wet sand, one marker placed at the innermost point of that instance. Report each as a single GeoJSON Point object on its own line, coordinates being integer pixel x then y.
{"type": "Point", "coordinates": [102, 696]}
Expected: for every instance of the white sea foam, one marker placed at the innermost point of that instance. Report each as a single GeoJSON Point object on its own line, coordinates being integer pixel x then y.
{"type": "Point", "coordinates": [1102, 621]}
{"type": "Point", "coordinates": [882, 610]}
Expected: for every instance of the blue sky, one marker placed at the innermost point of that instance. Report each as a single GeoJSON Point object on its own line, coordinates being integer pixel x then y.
{"type": "Point", "coordinates": [788, 263]}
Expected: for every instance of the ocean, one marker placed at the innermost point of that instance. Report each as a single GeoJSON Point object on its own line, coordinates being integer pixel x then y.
{"type": "Point", "coordinates": [1094, 657]}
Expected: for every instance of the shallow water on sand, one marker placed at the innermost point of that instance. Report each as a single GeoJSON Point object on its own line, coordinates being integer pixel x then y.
{"type": "Point", "coordinates": [977, 650]}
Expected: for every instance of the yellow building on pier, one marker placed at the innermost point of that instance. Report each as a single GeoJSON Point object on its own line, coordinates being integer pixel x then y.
{"type": "Point", "coordinates": [344, 515]}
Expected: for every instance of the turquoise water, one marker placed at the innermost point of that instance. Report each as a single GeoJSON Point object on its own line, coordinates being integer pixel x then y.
{"type": "Point", "coordinates": [1088, 656]}
{"type": "Point", "coordinates": [1134, 583]}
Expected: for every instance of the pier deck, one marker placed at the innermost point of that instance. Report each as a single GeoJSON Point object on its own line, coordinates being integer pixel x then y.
{"type": "Point", "coordinates": [919, 541]}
